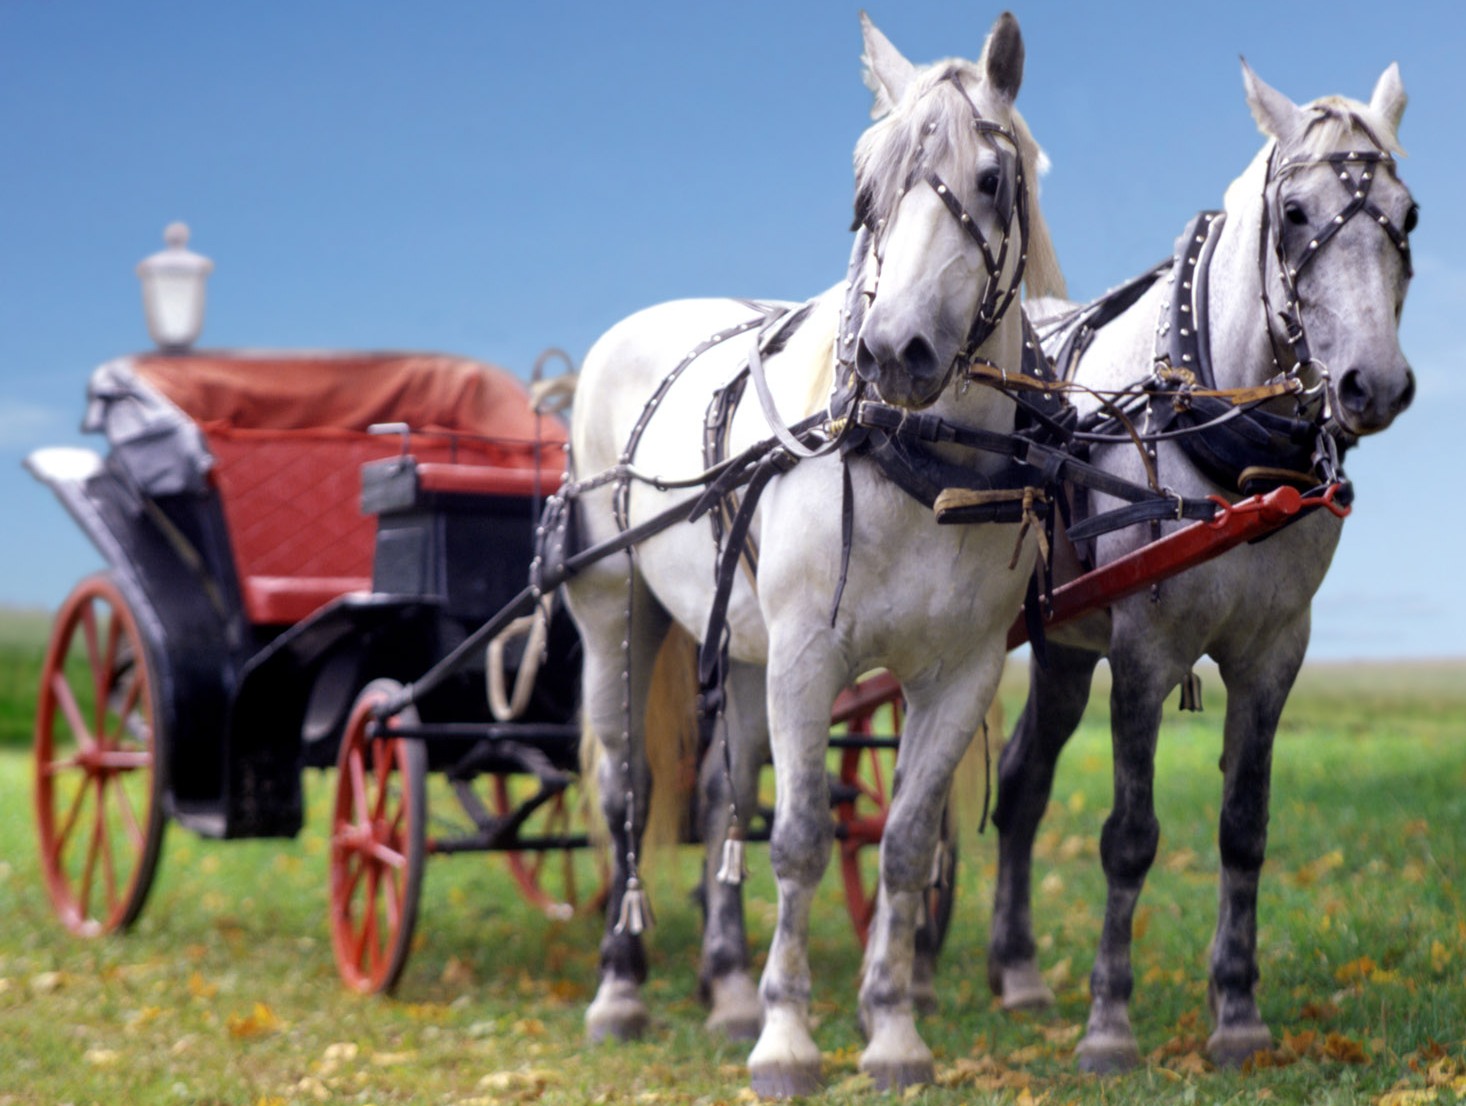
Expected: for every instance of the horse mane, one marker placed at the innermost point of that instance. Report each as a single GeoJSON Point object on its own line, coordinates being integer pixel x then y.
{"type": "Point", "coordinates": [931, 122]}
{"type": "Point", "coordinates": [1336, 121]}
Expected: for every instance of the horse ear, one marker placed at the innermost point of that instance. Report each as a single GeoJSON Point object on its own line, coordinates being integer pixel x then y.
{"type": "Point", "coordinates": [1002, 57]}
{"type": "Point", "coordinates": [1389, 96]}
{"type": "Point", "coordinates": [887, 73]}
{"type": "Point", "coordinates": [1276, 115]}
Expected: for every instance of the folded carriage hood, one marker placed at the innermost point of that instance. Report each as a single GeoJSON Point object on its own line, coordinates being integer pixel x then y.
{"type": "Point", "coordinates": [159, 447]}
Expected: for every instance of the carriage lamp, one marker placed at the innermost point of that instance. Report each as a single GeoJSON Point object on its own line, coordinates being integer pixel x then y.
{"type": "Point", "coordinates": [173, 291]}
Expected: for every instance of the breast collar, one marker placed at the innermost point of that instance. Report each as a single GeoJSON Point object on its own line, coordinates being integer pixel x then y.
{"type": "Point", "coordinates": [1255, 450]}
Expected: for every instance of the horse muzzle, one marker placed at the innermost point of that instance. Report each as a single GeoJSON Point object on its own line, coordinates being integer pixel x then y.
{"type": "Point", "coordinates": [912, 375]}
{"type": "Point", "coordinates": [1366, 403]}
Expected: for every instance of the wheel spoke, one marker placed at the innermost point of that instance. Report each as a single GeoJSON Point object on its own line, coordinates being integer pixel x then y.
{"type": "Point", "coordinates": [384, 855]}
{"type": "Point", "coordinates": [129, 816]}
{"type": "Point", "coordinates": [104, 836]}
{"type": "Point", "coordinates": [66, 700]}
{"type": "Point", "coordinates": [382, 765]}
{"type": "Point", "coordinates": [125, 711]}
{"type": "Point", "coordinates": [360, 814]}
{"type": "Point", "coordinates": [89, 867]}
{"type": "Point", "coordinates": [125, 760]}
{"type": "Point", "coordinates": [69, 822]}
{"type": "Point", "coordinates": [88, 615]}
{"type": "Point", "coordinates": [370, 940]}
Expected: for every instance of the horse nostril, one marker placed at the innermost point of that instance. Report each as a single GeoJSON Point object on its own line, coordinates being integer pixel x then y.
{"type": "Point", "coordinates": [1407, 395]}
{"type": "Point", "coordinates": [919, 358]}
{"type": "Point", "coordinates": [1353, 392]}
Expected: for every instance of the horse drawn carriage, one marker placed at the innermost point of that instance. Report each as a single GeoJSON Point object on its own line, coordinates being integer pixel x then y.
{"type": "Point", "coordinates": [204, 672]}
{"type": "Point", "coordinates": [293, 538]}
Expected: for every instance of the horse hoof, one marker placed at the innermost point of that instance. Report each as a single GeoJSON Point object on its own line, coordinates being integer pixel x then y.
{"type": "Point", "coordinates": [1108, 1054]}
{"type": "Point", "coordinates": [736, 1011]}
{"type": "Point", "coordinates": [616, 1014]}
{"type": "Point", "coordinates": [1230, 1047]}
{"type": "Point", "coordinates": [785, 1080]}
{"type": "Point", "coordinates": [897, 1076]}
{"type": "Point", "coordinates": [1022, 988]}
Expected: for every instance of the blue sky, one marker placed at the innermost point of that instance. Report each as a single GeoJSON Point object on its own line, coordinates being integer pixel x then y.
{"type": "Point", "coordinates": [489, 179]}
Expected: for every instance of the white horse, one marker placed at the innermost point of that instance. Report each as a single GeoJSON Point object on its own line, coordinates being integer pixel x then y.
{"type": "Point", "coordinates": [948, 223]}
{"type": "Point", "coordinates": [1307, 275]}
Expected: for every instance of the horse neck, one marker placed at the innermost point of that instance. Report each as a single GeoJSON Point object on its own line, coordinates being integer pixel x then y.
{"type": "Point", "coordinates": [1241, 350]}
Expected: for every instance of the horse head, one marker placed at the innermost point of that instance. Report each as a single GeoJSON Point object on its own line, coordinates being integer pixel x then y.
{"type": "Point", "coordinates": [1335, 232]}
{"type": "Point", "coordinates": [945, 207]}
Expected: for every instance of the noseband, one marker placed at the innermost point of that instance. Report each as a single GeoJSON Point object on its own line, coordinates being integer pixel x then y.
{"type": "Point", "coordinates": [1355, 172]}
{"type": "Point", "coordinates": [997, 294]}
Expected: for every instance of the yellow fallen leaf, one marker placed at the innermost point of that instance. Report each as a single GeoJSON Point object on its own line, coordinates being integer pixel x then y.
{"type": "Point", "coordinates": [859, 1083]}
{"type": "Point", "coordinates": [259, 1022]}
{"type": "Point", "coordinates": [1315, 870]}
{"type": "Point", "coordinates": [1355, 970]}
{"type": "Point", "coordinates": [199, 987]}
{"type": "Point", "coordinates": [1440, 956]}
{"type": "Point", "coordinates": [1339, 1047]}
{"type": "Point", "coordinates": [101, 1057]}
{"type": "Point", "coordinates": [1180, 861]}
{"type": "Point", "coordinates": [1407, 1097]}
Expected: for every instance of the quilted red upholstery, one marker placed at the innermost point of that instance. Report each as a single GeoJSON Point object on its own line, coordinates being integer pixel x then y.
{"type": "Point", "coordinates": [291, 493]}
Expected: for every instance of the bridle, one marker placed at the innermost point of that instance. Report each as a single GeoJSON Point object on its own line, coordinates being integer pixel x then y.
{"type": "Point", "coordinates": [1355, 172]}
{"type": "Point", "coordinates": [998, 294]}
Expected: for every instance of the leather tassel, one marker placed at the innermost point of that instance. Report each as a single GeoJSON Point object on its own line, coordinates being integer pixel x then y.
{"type": "Point", "coordinates": [735, 867]}
{"type": "Point", "coordinates": [1191, 692]}
{"type": "Point", "coordinates": [636, 910]}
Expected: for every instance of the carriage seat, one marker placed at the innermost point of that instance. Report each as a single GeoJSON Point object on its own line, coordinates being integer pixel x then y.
{"type": "Point", "coordinates": [289, 432]}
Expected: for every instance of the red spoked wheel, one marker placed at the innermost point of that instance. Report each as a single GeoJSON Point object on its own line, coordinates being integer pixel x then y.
{"type": "Point", "coordinates": [377, 846]}
{"type": "Point", "coordinates": [99, 811]}
{"type": "Point", "coordinates": [873, 711]}
{"type": "Point", "coordinates": [559, 869]}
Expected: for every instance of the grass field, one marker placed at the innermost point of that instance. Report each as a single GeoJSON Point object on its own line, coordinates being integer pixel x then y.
{"type": "Point", "coordinates": [225, 993]}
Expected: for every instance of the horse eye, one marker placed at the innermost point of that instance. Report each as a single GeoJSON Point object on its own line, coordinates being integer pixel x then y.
{"type": "Point", "coordinates": [1411, 218]}
{"type": "Point", "coordinates": [1294, 213]}
{"type": "Point", "coordinates": [989, 181]}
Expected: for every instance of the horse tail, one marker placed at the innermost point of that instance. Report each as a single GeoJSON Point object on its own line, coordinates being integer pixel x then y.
{"type": "Point", "coordinates": [671, 739]}
{"type": "Point", "coordinates": [671, 749]}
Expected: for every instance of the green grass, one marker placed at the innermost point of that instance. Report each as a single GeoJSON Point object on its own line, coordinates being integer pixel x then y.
{"type": "Point", "coordinates": [225, 993]}
{"type": "Point", "coordinates": [22, 649]}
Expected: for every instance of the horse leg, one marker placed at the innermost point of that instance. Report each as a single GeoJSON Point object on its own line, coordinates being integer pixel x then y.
{"type": "Point", "coordinates": [786, 1062]}
{"type": "Point", "coordinates": [1127, 848]}
{"type": "Point", "coordinates": [938, 729]}
{"type": "Point", "coordinates": [616, 675]}
{"type": "Point", "coordinates": [1255, 697]}
{"type": "Point", "coordinates": [1056, 700]}
{"type": "Point", "coordinates": [730, 778]}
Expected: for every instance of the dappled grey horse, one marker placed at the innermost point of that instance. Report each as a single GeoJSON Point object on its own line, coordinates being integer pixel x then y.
{"type": "Point", "coordinates": [1296, 287]}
